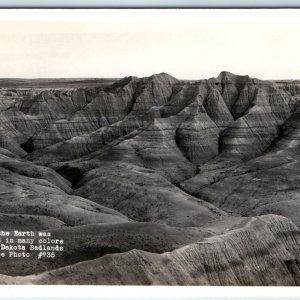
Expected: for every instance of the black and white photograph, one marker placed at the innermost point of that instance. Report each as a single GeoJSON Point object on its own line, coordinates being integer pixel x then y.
{"type": "Point", "coordinates": [150, 147]}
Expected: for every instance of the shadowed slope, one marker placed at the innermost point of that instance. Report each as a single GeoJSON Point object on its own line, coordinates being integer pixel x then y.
{"type": "Point", "coordinates": [265, 251]}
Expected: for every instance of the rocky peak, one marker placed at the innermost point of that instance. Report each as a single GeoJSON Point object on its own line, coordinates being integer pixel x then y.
{"type": "Point", "coordinates": [161, 78]}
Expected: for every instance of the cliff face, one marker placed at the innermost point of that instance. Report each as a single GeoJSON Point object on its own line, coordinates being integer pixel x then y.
{"type": "Point", "coordinates": [207, 169]}
{"type": "Point", "coordinates": [229, 115]}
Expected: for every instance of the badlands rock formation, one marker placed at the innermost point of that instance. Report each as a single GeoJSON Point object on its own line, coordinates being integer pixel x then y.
{"type": "Point", "coordinates": [153, 180]}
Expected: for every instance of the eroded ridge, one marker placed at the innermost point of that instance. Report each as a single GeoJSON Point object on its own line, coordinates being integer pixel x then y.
{"type": "Point", "coordinates": [153, 180]}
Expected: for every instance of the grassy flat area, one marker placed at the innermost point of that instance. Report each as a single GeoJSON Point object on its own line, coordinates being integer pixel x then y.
{"type": "Point", "coordinates": [57, 82]}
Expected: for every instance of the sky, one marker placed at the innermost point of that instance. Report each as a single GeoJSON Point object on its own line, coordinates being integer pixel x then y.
{"type": "Point", "coordinates": [186, 43]}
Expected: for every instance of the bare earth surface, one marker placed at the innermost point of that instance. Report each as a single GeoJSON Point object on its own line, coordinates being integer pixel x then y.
{"type": "Point", "coordinates": [153, 181]}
